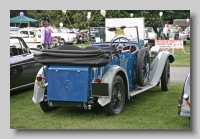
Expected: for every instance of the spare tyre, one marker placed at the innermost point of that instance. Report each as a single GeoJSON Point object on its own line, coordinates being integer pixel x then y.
{"type": "Point", "coordinates": [142, 67]}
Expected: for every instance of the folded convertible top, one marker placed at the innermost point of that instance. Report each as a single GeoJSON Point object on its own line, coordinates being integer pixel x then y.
{"type": "Point", "coordinates": [74, 55]}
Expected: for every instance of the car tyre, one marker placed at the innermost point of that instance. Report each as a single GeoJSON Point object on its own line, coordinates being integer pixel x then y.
{"type": "Point", "coordinates": [165, 78]}
{"type": "Point", "coordinates": [142, 67]}
{"type": "Point", "coordinates": [76, 41]}
{"type": "Point", "coordinates": [44, 105]}
{"type": "Point", "coordinates": [62, 41]}
{"type": "Point", "coordinates": [184, 42]}
{"type": "Point", "coordinates": [116, 105]}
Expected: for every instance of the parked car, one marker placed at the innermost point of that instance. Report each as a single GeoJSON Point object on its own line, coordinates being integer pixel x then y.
{"type": "Point", "coordinates": [150, 35]}
{"type": "Point", "coordinates": [23, 67]}
{"type": "Point", "coordinates": [68, 38]}
{"type": "Point", "coordinates": [32, 37]}
{"type": "Point", "coordinates": [187, 32]}
{"type": "Point", "coordinates": [184, 101]}
{"type": "Point", "coordinates": [105, 73]}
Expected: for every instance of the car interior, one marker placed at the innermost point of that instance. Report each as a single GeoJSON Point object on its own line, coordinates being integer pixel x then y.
{"type": "Point", "coordinates": [16, 47]}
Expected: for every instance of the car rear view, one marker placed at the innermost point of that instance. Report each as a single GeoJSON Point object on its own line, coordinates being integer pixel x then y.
{"type": "Point", "coordinates": [184, 101]}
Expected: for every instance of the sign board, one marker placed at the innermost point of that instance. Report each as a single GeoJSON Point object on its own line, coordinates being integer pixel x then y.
{"type": "Point", "coordinates": [169, 44]}
{"type": "Point", "coordinates": [128, 22]}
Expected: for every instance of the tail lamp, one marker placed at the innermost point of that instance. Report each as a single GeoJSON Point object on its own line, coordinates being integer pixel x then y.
{"type": "Point", "coordinates": [98, 80]}
{"type": "Point", "coordinates": [180, 101]}
{"type": "Point", "coordinates": [39, 78]}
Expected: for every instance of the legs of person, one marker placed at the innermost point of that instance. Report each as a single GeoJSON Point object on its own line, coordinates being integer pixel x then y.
{"type": "Point", "coordinates": [49, 46]}
{"type": "Point", "coordinates": [167, 36]}
{"type": "Point", "coordinates": [176, 36]}
{"type": "Point", "coordinates": [46, 46]}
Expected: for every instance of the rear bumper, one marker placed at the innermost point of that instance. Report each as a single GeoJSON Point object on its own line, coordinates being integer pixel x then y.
{"type": "Point", "coordinates": [183, 111]}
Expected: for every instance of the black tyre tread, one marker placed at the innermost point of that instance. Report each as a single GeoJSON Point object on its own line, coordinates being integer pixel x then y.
{"type": "Point", "coordinates": [63, 41]}
{"type": "Point", "coordinates": [108, 108]}
{"type": "Point", "coordinates": [44, 105]}
{"type": "Point", "coordinates": [164, 78]}
{"type": "Point", "coordinates": [138, 68]}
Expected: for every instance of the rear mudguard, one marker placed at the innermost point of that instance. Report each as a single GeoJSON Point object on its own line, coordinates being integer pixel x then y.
{"type": "Point", "coordinates": [39, 89]}
{"type": "Point", "coordinates": [108, 78]}
{"type": "Point", "coordinates": [157, 66]}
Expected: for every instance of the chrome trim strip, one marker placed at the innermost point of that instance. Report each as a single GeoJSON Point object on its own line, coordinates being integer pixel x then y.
{"type": "Point", "coordinates": [22, 86]}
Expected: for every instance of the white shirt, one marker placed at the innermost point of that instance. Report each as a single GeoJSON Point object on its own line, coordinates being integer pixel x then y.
{"type": "Point", "coordinates": [165, 30]}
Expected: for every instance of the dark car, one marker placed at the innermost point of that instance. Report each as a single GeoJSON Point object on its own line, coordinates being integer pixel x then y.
{"type": "Point", "coordinates": [23, 67]}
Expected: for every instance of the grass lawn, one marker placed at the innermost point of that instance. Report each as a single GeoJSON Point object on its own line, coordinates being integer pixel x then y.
{"type": "Point", "coordinates": [152, 109]}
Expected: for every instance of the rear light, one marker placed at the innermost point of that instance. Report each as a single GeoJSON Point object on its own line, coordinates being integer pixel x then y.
{"type": "Point", "coordinates": [39, 78]}
{"type": "Point", "coordinates": [98, 80]}
{"type": "Point", "coordinates": [180, 101]}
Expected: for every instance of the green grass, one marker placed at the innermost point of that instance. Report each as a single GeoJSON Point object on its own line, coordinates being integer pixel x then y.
{"type": "Point", "coordinates": [152, 109]}
{"type": "Point", "coordinates": [181, 59]}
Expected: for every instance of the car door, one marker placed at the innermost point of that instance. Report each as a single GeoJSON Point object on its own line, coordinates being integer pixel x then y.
{"type": "Point", "coordinates": [23, 67]}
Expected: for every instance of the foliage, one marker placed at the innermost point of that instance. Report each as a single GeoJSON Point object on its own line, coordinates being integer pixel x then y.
{"type": "Point", "coordinates": [78, 18]}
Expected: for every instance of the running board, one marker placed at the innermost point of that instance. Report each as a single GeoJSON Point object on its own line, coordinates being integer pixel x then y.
{"type": "Point", "coordinates": [140, 90]}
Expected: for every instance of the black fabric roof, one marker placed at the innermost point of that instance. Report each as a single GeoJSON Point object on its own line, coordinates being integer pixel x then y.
{"type": "Point", "coordinates": [74, 55]}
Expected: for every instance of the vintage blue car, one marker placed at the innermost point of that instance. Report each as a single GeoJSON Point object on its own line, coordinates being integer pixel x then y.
{"type": "Point", "coordinates": [105, 73]}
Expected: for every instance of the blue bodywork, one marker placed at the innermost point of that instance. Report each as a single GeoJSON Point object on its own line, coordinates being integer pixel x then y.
{"type": "Point", "coordinates": [73, 83]}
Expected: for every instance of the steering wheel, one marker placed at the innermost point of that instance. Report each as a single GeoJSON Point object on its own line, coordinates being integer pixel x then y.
{"type": "Point", "coordinates": [13, 46]}
{"type": "Point", "coordinates": [120, 45]}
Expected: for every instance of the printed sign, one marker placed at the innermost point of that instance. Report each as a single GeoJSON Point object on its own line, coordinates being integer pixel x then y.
{"type": "Point", "coordinates": [169, 44]}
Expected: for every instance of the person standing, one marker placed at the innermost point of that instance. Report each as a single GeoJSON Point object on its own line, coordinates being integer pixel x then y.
{"type": "Point", "coordinates": [176, 33]}
{"type": "Point", "coordinates": [45, 35]}
{"type": "Point", "coordinates": [165, 32]}
{"type": "Point", "coordinates": [168, 28]}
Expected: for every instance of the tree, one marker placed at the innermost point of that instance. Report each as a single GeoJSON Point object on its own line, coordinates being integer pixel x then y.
{"type": "Point", "coordinates": [78, 18]}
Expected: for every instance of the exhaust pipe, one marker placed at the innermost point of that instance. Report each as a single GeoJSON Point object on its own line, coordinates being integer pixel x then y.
{"type": "Point", "coordinates": [85, 107]}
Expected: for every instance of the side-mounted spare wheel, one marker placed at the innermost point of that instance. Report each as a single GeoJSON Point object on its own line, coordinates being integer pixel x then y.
{"type": "Point", "coordinates": [117, 102]}
{"type": "Point", "coordinates": [165, 78]}
{"type": "Point", "coordinates": [142, 67]}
